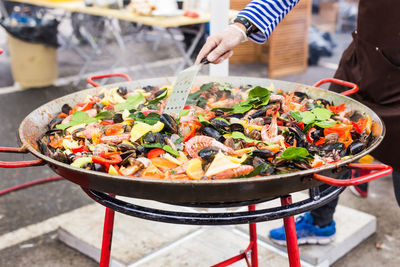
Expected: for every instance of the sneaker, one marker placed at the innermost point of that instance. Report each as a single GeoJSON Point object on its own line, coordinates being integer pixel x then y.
{"type": "Point", "coordinates": [307, 232]}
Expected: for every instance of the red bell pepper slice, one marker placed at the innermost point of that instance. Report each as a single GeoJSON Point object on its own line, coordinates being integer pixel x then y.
{"type": "Point", "coordinates": [107, 158]}
{"type": "Point", "coordinates": [88, 106]}
{"type": "Point", "coordinates": [189, 135]}
{"type": "Point", "coordinates": [309, 137]}
{"type": "Point", "coordinates": [107, 122]}
{"type": "Point", "coordinates": [155, 152]}
{"type": "Point", "coordinates": [80, 149]}
{"type": "Point", "coordinates": [301, 125]}
{"type": "Point", "coordinates": [337, 109]}
{"type": "Point", "coordinates": [62, 115]}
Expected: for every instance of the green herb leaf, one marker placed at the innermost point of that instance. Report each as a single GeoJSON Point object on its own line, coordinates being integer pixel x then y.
{"type": "Point", "coordinates": [223, 109]}
{"type": "Point", "coordinates": [325, 124]}
{"type": "Point", "coordinates": [238, 108]}
{"type": "Point", "coordinates": [225, 87]}
{"type": "Point", "coordinates": [322, 114]}
{"type": "Point", "coordinates": [295, 153]}
{"type": "Point", "coordinates": [184, 112]}
{"type": "Point", "coordinates": [203, 121]}
{"type": "Point", "coordinates": [158, 98]}
{"type": "Point", "coordinates": [152, 145]}
{"type": "Point", "coordinates": [296, 115]}
{"type": "Point", "coordinates": [257, 170]}
{"type": "Point", "coordinates": [261, 93]}
{"type": "Point", "coordinates": [239, 135]}
{"type": "Point", "coordinates": [193, 98]}
{"type": "Point", "coordinates": [78, 117]}
{"type": "Point", "coordinates": [178, 141]}
{"type": "Point", "coordinates": [132, 102]}
{"type": "Point", "coordinates": [307, 117]}
{"type": "Point", "coordinates": [206, 86]}
{"type": "Point", "coordinates": [151, 118]}
{"type": "Point", "coordinates": [105, 115]}
{"type": "Point", "coordinates": [170, 150]}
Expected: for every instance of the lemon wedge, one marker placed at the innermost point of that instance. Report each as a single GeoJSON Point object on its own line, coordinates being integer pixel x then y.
{"type": "Point", "coordinates": [194, 169]}
{"type": "Point", "coordinates": [220, 164]}
{"type": "Point", "coordinates": [140, 129]}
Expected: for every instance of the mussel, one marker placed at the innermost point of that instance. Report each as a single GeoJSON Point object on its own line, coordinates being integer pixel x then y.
{"type": "Point", "coordinates": [125, 147]}
{"type": "Point", "coordinates": [122, 90]}
{"type": "Point", "coordinates": [208, 153]}
{"type": "Point", "coordinates": [117, 118]}
{"type": "Point", "coordinates": [54, 122]}
{"type": "Point", "coordinates": [235, 115]}
{"type": "Point", "coordinates": [66, 109]}
{"type": "Point", "coordinates": [209, 131]}
{"type": "Point", "coordinates": [160, 138]}
{"type": "Point", "coordinates": [219, 112]}
{"type": "Point", "coordinates": [266, 169]}
{"type": "Point", "coordinates": [59, 156]}
{"type": "Point", "coordinates": [169, 123]}
{"type": "Point", "coordinates": [150, 138]}
{"type": "Point", "coordinates": [259, 113]}
{"type": "Point", "coordinates": [301, 95]}
{"type": "Point", "coordinates": [355, 147]}
{"type": "Point", "coordinates": [299, 135]}
{"type": "Point", "coordinates": [159, 92]}
{"type": "Point", "coordinates": [236, 127]}
{"type": "Point", "coordinates": [263, 153]}
{"type": "Point", "coordinates": [339, 147]}
{"type": "Point", "coordinates": [148, 88]}
{"type": "Point", "coordinates": [220, 125]}
{"type": "Point", "coordinates": [323, 102]}
{"type": "Point", "coordinates": [78, 134]}
{"type": "Point", "coordinates": [98, 106]}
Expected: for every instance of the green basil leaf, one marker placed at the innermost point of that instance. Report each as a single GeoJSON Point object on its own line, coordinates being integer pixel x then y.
{"type": "Point", "coordinates": [295, 153]}
{"type": "Point", "coordinates": [152, 118]}
{"type": "Point", "coordinates": [257, 170]}
{"type": "Point", "coordinates": [184, 112]}
{"type": "Point", "coordinates": [132, 102]}
{"type": "Point", "coordinates": [202, 120]}
{"type": "Point", "coordinates": [202, 102]}
{"type": "Point", "coordinates": [193, 98]}
{"type": "Point", "coordinates": [178, 141]}
{"type": "Point", "coordinates": [307, 117]}
{"type": "Point", "coordinates": [152, 145]}
{"type": "Point", "coordinates": [259, 92]}
{"type": "Point", "coordinates": [326, 124]}
{"type": "Point", "coordinates": [206, 86]}
{"type": "Point", "coordinates": [105, 115]}
{"type": "Point", "coordinates": [158, 98]}
{"type": "Point", "coordinates": [237, 108]}
{"type": "Point", "coordinates": [296, 115]}
{"type": "Point", "coordinates": [78, 117]}
{"type": "Point", "coordinates": [322, 114]}
{"type": "Point", "coordinates": [170, 150]}
{"type": "Point", "coordinates": [239, 135]}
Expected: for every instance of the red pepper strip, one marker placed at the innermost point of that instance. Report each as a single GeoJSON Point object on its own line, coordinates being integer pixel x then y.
{"type": "Point", "coordinates": [115, 138]}
{"type": "Point", "coordinates": [337, 109]}
{"type": "Point", "coordinates": [107, 159]}
{"type": "Point", "coordinates": [88, 106]}
{"type": "Point", "coordinates": [80, 149]}
{"type": "Point", "coordinates": [320, 141]}
{"type": "Point", "coordinates": [62, 115]}
{"type": "Point", "coordinates": [109, 107]}
{"type": "Point", "coordinates": [186, 107]}
{"type": "Point", "coordinates": [190, 134]}
{"type": "Point", "coordinates": [301, 125]}
{"type": "Point", "coordinates": [309, 137]}
{"type": "Point", "coordinates": [107, 122]}
{"type": "Point", "coordinates": [155, 152]}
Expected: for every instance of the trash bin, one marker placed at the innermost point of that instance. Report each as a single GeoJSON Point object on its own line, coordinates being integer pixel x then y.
{"type": "Point", "coordinates": [32, 64]}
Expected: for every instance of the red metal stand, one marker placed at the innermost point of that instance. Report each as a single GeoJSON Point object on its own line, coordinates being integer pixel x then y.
{"type": "Point", "coordinates": [251, 251]}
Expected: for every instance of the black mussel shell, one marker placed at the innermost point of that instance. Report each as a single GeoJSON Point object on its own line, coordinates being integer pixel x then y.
{"type": "Point", "coordinates": [355, 147]}
{"type": "Point", "coordinates": [219, 112]}
{"type": "Point", "coordinates": [122, 90]}
{"type": "Point", "coordinates": [140, 150]}
{"type": "Point", "coordinates": [235, 115]}
{"type": "Point", "coordinates": [301, 95]}
{"type": "Point", "coordinates": [66, 109]}
{"type": "Point", "coordinates": [75, 134]}
{"type": "Point", "coordinates": [53, 131]}
{"type": "Point", "coordinates": [148, 88]}
{"type": "Point", "coordinates": [159, 138]}
{"type": "Point", "coordinates": [333, 146]}
{"type": "Point", "coordinates": [259, 113]}
{"type": "Point", "coordinates": [99, 167]}
{"type": "Point", "coordinates": [324, 102]}
{"type": "Point", "coordinates": [150, 138]}
{"type": "Point", "coordinates": [124, 147]}
{"type": "Point", "coordinates": [317, 134]}
{"type": "Point", "coordinates": [209, 131]}
{"type": "Point", "coordinates": [159, 92]}
{"type": "Point", "coordinates": [59, 156]}
{"type": "Point", "coordinates": [236, 127]}
{"type": "Point", "coordinates": [220, 124]}
{"type": "Point", "coordinates": [118, 118]}
{"type": "Point", "coordinates": [54, 122]}
{"type": "Point", "coordinates": [169, 123]}
{"type": "Point", "coordinates": [267, 169]}
{"type": "Point", "coordinates": [88, 166]}
{"type": "Point", "coordinates": [208, 153]}
{"type": "Point", "coordinates": [98, 106]}
{"type": "Point", "coordinates": [299, 135]}
{"type": "Point", "coordinates": [313, 149]}
{"type": "Point", "coordinates": [355, 135]}
{"type": "Point", "coordinates": [263, 153]}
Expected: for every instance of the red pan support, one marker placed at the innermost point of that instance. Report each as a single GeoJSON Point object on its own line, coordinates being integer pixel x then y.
{"type": "Point", "coordinates": [354, 87]}
{"type": "Point", "coordinates": [18, 164]}
{"type": "Point", "coordinates": [91, 81]}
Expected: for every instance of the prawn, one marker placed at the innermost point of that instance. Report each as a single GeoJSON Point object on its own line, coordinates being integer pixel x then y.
{"type": "Point", "coordinates": [200, 141]}
{"type": "Point", "coordinates": [269, 133]}
{"type": "Point", "coordinates": [241, 170]}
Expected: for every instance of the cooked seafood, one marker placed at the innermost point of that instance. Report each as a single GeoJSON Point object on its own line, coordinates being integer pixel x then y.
{"type": "Point", "coordinates": [222, 133]}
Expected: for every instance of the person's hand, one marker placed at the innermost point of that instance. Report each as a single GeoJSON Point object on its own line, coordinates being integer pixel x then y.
{"type": "Point", "coordinates": [219, 47]}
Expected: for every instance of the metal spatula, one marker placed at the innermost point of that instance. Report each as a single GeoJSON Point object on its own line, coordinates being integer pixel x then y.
{"type": "Point", "coordinates": [181, 88]}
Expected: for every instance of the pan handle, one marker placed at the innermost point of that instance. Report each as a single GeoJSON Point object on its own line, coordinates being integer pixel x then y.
{"type": "Point", "coordinates": [381, 170]}
{"type": "Point", "coordinates": [19, 164]}
{"type": "Point", "coordinates": [354, 87]}
{"type": "Point", "coordinates": [90, 79]}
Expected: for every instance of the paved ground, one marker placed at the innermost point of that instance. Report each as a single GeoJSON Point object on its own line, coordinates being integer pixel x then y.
{"type": "Point", "coordinates": [39, 203]}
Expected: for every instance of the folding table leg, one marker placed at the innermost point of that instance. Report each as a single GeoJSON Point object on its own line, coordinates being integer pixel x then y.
{"type": "Point", "coordinates": [107, 238]}
{"type": "Point", "coordinates": [291, 236]}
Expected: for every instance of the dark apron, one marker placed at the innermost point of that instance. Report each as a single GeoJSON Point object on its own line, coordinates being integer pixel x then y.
{"type": "Point", "coordinates": [373, 62]}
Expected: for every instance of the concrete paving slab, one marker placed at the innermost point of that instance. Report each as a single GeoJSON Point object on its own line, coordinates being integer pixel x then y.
{"type": "Point", "coordinates": [133, 238]}
{"type": "Point", "coordinates": [352, 227]}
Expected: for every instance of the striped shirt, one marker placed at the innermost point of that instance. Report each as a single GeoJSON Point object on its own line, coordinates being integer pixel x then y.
{"type": "Point", "coordinates": [265, 15]}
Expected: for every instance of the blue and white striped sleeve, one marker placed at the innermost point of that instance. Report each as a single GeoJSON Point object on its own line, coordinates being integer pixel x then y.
{"type": "Point", "coordinates": [265, 15]}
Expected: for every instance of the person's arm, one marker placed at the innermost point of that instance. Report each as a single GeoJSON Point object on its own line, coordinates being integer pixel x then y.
{"type": "Point", "coordinates": [264, 15]}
